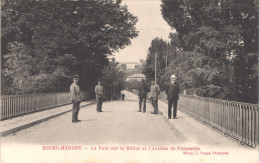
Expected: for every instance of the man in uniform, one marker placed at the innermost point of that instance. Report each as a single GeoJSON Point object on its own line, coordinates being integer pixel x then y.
{"type": "Point", "coordinates": [143, 89]}
{"type": "Point", "coordinates": [172, 90]}
{"type": "Point", "coordinates": [154, 93]}
{"type": "Point", "coordinates": [76, 98]}
{"type": "Point", "coordinates": [99, 90]}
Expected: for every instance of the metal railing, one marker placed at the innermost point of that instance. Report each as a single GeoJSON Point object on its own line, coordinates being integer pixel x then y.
{"type": "Point", "coordinates": [111, 94]}
{"type": "Point", "coordinates": [17, 105]}
{"type": "Point", "coordinates": [235, 119]}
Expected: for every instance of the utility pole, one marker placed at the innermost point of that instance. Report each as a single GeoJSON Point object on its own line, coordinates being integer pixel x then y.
{"type": "Point", "coordinates": [166, 61]}
{"type": "Point", "coordinates": [155, 60]}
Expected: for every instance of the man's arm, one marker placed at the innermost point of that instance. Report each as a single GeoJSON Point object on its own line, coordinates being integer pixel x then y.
{"type": "Point", "coordinates": [147, 89]}
{"type": "Point", "coordinates": [139, 90]}
{"type": "Point", "coordinates": [72, 93]}
{"type": "Point", "coordinates": [179, 89]}
{"type": "Point", "coordinates": [103, 93]}
{"type": "Point", "coordinates": [80, 94]}
{"type": "Point", "coordinates": [167, 89]}
{"type": "Point", "coordinates": [158, 90]}
{"type": "Point", "coordinates": [96, 90]}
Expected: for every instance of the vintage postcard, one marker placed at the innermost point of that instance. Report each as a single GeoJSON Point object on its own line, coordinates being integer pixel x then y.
{"type": "Point", "coordinates": [129, 81]}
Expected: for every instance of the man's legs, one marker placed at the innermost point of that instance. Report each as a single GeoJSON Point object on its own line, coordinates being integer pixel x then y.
{"type": "Point", "coordinates": [101, 102]}
{"type": "Point", "coordinates": [152, 99]}
{"type": "Point", "coordinates": [155, 104]}
{"type": "Point", "coordinates": [98, 103]}
{"type": "Point", "coordinates": [140, 103]}
{"type": "Point", "coordinates": [175, 102]}
{"type": "Point", "coordinates": [155, 99]}
{"type": "Point", "coordinates": [144, 104]}
{"type": "Point", "coordinates": [75, 111]}
{"type": "Point", "coordinates": [169, 108]}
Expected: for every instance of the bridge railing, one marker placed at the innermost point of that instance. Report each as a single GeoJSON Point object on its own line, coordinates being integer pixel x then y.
{"type": "Point", "coordinates": [16, 105]}
{"type": "Point", "coordinates": [112, 94]}
{"type": "Point", "coordinates": [235, 119]}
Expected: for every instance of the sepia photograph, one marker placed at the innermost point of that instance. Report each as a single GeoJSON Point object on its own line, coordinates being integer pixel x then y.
{"type": "Point", "coordinates": [119, 81]}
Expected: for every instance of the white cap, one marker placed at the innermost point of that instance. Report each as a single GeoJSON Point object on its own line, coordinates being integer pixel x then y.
{"type": "Point", "coordinates": [173, 76]}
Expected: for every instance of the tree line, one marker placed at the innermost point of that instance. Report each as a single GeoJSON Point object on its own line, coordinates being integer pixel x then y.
{"type": "Point", "coordinates": [44, 43]}
{"type": "Point", "coordinates": [214, 52]}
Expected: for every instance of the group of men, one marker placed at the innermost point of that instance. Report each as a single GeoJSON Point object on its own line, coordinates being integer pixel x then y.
{"type": "Point", "coordinates": [172, 90]}
{"type": "Point", "coordinates": [76, 97]}
{"type": "Point", "coordinates": [154, 93]}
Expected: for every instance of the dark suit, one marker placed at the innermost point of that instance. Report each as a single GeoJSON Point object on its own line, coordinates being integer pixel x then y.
{"type": "Point", "coordinates": [172, 91]}
{"type": "Point", "coordinates": [142, 94]}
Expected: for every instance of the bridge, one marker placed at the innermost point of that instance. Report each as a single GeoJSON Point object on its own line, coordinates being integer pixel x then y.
{"type": "Point", "coordinates": [205, 129]}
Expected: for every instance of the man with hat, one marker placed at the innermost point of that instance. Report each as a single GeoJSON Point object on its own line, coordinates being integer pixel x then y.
{"type": "Point", "coordinates": [99, 90]}
{"type": "Point", "coordinates": [76, 98]}
{"type": "Point", "coordinates": [172, 90]}
{"type": "Point", "coordinates": [142, 94]}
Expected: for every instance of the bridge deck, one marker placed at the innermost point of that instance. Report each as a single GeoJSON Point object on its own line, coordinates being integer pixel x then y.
{"type": "Point", "coordinates": [183, 131]}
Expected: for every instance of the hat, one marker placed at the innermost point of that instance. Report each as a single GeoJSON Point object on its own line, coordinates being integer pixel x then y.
{"type": "Point", "coordinates": [173, 76]}
{"type": "Point", "coordinates": [75, 77]}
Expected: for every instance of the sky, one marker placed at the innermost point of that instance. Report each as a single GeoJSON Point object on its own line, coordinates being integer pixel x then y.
{"type": "Point", "coordinates": [150, 25]}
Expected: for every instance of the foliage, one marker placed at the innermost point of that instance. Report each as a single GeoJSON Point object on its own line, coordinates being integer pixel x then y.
{"type": "Point", "coordinates": [216, 47]}
{"type": "Point", "coordinates": [112, 77]}
{"type": "Point", "coordinates": [45, 42]}
{"type": "Point", "coordinates": [132, 84]}
{"type": "Point", "coordinates": [123, 66]}
{"type": "Point", "coordinates": [162, 50]}
{"type": "Point", "coordinates": [129, 72]}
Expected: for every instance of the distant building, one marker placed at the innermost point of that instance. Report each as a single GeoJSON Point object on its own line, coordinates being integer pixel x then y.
{"type": "Point", "coordinates": [137, 77]}
{"type": "Point", "coordinates": [131, 65]}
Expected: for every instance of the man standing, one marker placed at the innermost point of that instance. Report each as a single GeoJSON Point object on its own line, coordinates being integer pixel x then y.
{"type": "Point", "coordinates": [99, 90]}
{"type": "Point", "coordinates": [154, 93]}
{"type": "Point", "coordinates": [172, 90]}
{"type": "Point", "coordinates": [75, 97]}
{"type": "Point", "coordinates": [143, 89]}
{"type": "Point", "coordinates": [123, 96]}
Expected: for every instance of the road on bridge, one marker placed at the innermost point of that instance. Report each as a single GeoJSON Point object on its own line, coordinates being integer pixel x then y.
{"type": "Point", "coordinates": [121, 124]}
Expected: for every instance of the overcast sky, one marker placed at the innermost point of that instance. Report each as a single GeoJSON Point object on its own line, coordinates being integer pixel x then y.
{"type": "Point", "coordinates": [150, 25]}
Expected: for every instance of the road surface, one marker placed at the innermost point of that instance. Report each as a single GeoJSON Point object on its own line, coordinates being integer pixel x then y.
{"type": "Point", "coordinates": [119, 123]}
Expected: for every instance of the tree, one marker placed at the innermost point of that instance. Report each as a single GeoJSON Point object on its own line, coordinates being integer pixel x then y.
{"type": "Point", "coordinates": [123, 66]}
{"type": "Point", "coordinates": [162, 50]}
{"type": "Point", "coordinates": [132, 84]}
{"type": "Point", "coordinates": [219, 39]}
{"type": "Point", "coordinates": [112, 77]}
{"type": "Point", "coordinates": [63, 38]}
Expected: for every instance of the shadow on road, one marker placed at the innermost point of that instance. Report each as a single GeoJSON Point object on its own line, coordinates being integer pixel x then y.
{"type": "Point", "coordinates": [179, 117]}
{"type": "Point", "coordinates": [88, 120]}
{"type": "Point", "coordinates": [131, 100]}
